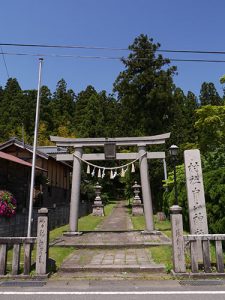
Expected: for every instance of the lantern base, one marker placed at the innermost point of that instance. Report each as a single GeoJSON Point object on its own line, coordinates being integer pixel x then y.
{"type": "Point", "coordinates": [137, 209]}
{"type": "Point", "coordinates": [98, 210]}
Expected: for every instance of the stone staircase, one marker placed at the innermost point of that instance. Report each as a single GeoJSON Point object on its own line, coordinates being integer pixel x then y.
{"type": "Point", "coordinates": [113, 249]}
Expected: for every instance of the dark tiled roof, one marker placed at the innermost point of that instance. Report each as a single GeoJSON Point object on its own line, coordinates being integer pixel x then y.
{"type": "Point", "coordinates": [21, 144]}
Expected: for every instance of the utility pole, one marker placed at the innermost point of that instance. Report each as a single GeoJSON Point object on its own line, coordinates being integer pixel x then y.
{"type": "Point", "coordinates": [34, 150]}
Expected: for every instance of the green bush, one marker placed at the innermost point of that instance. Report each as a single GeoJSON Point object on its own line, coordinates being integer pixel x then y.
{"type": "Point", "coordinates": [169, 194]}
{"type": "Point", "coordinates": [214, 186]}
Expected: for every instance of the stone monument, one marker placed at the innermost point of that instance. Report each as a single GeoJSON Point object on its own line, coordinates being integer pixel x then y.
{"type": "Point", "coordinates": [195, 194]}
{"type": "Point", "coordinates": [98, 207]}
{"type": "Point", "coordinates": [42, 242]}
{"type": "Point", "coordinates": [137, 206]}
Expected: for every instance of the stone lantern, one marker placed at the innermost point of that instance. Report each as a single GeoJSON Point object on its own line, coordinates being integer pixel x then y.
{"type": "Point", "coordinates": [98, 207]}
{"type": "Point", "coordinates": [137, 206]}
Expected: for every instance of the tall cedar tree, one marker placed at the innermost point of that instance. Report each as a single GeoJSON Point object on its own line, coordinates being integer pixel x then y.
{"type": "Point", "coordinates": [191, 104]}
{"type": "Point", "coordinates": [12, 107]}
{"type": "Point", "coordinates": [209, 95]}
{"type": "Point", "coordinates": [63, 106]}
{"type": "Point", "coordinates": [145, 90]}
{"type": "Point", "coordinates": [96, 114]}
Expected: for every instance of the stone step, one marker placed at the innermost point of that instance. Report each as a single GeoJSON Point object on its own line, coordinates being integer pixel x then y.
{"type": "Point", "coordinates": [151, 268]}
{"type": "Point", "coordinates": [135, 260]}
{"type": "Point", "coordinates": [110, 245]}
{"type": "Point", "coordinates": [126, 239]}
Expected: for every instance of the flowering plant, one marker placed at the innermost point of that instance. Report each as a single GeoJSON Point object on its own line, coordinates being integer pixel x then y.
{"type": "Point", "coordinates": [7, 204]}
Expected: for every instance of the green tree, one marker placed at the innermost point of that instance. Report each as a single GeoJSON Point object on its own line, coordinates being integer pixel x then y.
{"type": "Point", "coordinates": [222, 81]}
{"type": "Point", "coordinates": [43, 135]}
{"type": "Point", "coordinates": [81, 110]}
{"type": "Point", "coordinates": [12, 108]}
{"type": "Point", "coordinates": [63, 106]}
{"type": "Point", "coordinates": [145, 89]}
{"type": "Point", "coordinates": [209, 95]}
{"type": "Point", "coordinates": [29, 110]}
{"type": "Point", "coordinates": [190, 107]}
{"type": "Point", "coordinates": [46, 114]}
{"type": "Point", "coordinates": [210, 125]}
{"type": "Point", "coordinates": [177, 112]}
{"type": "Point", "coordinates": [97, 114]}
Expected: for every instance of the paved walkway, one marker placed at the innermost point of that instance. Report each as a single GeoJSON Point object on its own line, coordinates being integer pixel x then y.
{"type": "Point", "coordinates": [119, 219]}
{"type": "Point", "coordinates": [114, 232]}
{"type": "Point", "coordinates": [113, 248]}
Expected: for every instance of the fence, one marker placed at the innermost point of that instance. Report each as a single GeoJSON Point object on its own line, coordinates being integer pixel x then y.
{"type": "Point", "coordinates": [194, 246]}
{"type": "Point", "coordinates": [58, 216]}
{"type": "Point", "coordinates": [15, 244]}
{"type": "Point", "coordinates": [204, 241]}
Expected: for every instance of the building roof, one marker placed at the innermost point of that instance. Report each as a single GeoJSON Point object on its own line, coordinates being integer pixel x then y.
{"type": "Point", "coordinates": [21, 144]}
{"type": "Point", "coordinates": [42, 151]}
{"type": "Point", "coordinates": [16, 160]}
{"type": "Point", "coordinates": [52, 149]}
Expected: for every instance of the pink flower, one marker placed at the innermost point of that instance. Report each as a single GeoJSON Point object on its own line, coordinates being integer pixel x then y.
{"type": "Point", "coordinates": [7, 204]}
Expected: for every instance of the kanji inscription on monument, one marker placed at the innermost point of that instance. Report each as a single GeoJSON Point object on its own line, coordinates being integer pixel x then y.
{"type": "Point", "coordinates": [195, 192]}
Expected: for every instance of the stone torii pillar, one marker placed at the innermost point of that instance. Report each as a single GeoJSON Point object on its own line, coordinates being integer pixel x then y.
{"type": "Point", "coordinates": [75, 192]}
{"type": "Point", "coordinates": [146, 189]}
{"type": "Point", "coordinates": [140, 142]}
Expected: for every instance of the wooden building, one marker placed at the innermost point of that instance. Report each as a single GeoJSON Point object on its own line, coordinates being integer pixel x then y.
{"type": "Point", "coordinates": [52, 179]}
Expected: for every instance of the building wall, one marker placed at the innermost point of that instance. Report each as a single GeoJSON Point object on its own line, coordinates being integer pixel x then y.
{"type": "Point", "coordinates": [15, 178]}
{"type": "Point", "coordinates": [58, 190]}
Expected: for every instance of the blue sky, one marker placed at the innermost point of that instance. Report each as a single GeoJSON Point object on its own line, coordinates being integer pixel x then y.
{"type": "Point", "coordinates": [175, 24]}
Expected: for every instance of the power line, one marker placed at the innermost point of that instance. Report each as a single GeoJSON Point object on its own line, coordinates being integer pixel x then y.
{"type": "Point", "coordinates": [63, 46]}
{"type": "Point", "coordinates": [6, 68]}
{"type": "Point", "coordinates": [197, 60]}
{"type": "Point", "coordinates": [63, 55]}
{"type": "Point", "coordinates": [106, 57]}
{"type": "Point", "coordinates": [109, 48]}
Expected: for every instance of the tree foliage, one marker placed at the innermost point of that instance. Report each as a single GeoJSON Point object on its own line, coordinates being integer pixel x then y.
{"type": "Point", "coordinates": [145, 89]}
{"type": "Point", "coordinates": [210, 125]}
{"type": "Point", "coordinates": [146, 102]}
{"type": "Point", "coordinates": [209, 94]}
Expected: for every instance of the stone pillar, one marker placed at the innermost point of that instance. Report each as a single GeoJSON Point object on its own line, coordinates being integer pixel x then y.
{"type": "Point", "coordinates": [42, 242]}
{"type": "Point", "coordinates": [146, 190]}
{"type": "Point", "coordinates": [98, 207]}
{"type": "Point", "coordinates": [176, 218]}
{"type": "Point", "coordinates": [75, 192]}
{"type": "Point", "coordinates": [137, 206]}
{"type": "Point", "coordinates": [196, 195]}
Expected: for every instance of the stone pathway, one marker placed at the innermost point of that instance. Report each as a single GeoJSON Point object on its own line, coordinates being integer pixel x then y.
{"type": "Point", "coordinates": [120, 260]}
{"type": "Point", "coordinates": [119, 219]}
{"type": "Point", "coordinates": [113, 248]}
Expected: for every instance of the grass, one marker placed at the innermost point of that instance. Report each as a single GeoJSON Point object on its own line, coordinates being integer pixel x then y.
{"type": "Point", "coordinates": [164, 226]}
{"type": "Point", "coordinates": [58, 254]}
{"type": "Point", "coordinates": [57, 232]}
{"type": "Point", "coordinates": [89, 222]}
{"type": "Point", "coordinates": [163, 255]}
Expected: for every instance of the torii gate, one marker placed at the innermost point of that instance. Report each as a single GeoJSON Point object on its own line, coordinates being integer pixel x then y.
{"type": "Point", "coordinates": [80, 143]}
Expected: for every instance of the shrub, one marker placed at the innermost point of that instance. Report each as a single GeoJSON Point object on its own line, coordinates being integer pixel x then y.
{"type": "Point", "coordinates": [7, 204]}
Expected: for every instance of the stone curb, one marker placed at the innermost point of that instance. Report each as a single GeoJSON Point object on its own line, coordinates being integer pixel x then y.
{"type": "Point", "coordinates": [113, 268]}
{"type": "Point", "coordinates": [111, 246]}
